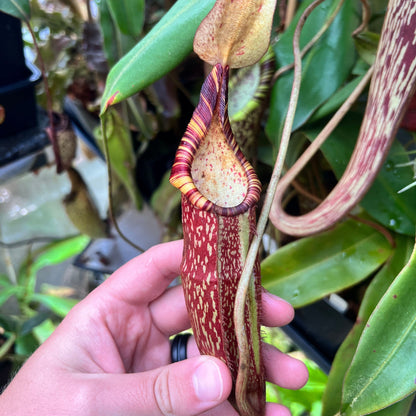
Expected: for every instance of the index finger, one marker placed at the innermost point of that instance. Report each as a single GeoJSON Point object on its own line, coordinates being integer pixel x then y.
{"type": "Point", "coordinates": [147, 276]}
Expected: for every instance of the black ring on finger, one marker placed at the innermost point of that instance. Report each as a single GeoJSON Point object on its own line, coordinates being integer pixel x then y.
{"type": "Point", "coordinates": [178, 347]}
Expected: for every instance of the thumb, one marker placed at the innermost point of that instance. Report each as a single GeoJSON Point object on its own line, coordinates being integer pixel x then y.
{"type": "Point", "coordinates": [186, 388]}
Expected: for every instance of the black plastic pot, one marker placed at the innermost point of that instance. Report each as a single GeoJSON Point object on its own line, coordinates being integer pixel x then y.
{"type": "Point", "coordinates": [6, 367]}
{"type": "Point", "coordinates": [319, 330]}
{"type": "Point", "coordinates": [13, 66]}
{"type": "Point", "coordinates": [5, 373]}
{"type": "Point", "coordinates": [17, 81]}
{"type": "Point", "coordinates": [19, 104]}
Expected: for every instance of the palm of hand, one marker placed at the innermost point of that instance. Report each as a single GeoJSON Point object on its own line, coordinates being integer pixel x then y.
{"type": "Point", "coordinates": [127, 331]}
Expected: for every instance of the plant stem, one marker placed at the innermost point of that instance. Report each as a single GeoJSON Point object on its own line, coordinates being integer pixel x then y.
{"type": "Point", "coordinates": [312, 42]}
{"type": "Point", "coordinates": [49, 104]}
{"type": "Point", "coordinates": [247, 274]}
{"type": "Point", "coordinates": [320, 139]}
{"type": "Point", "coordinates": [365, 19]}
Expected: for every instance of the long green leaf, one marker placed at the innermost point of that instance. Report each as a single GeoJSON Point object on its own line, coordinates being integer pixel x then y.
{"type": "Point", "coordinates": [114, 50]}
{"type": "Point", "coordinates": [17, 8]}
{"type": "Point", "coordinates": [121, 154]}
{"type": "Point", "coordinates": [313, 267]}
{"type": "Point", "coordinates": [60, 251]}
{"type": "Point", "coordinates": [324, 68]}
{"type": "Point", "coordinates": [377, 288]}
{"type": "Point", "coordinates": [401, 408]}
{"type": "Point", "coordinates": [128, 15]}
{"type": "Point", "coordinates": [161, 50]}
{"type": "Point", "coordinates": [383, 371]}
{"type": "Point", "coordinates": [51, 254]}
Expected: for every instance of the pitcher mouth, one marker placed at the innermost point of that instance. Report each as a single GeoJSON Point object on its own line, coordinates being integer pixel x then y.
{"type": "Point", "coordinates": [209, 168]}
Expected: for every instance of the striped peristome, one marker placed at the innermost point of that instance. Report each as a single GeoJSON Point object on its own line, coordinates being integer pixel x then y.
{"type": "Point", "coordinates": [217, 236]}
{"type": "Point", "coordinates": [213, 95]}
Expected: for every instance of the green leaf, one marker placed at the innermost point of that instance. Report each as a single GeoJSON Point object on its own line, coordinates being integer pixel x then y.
{"type": "Point", "coordinates": [4, 281]}
{"type": "Point", "coordinates": [128, 15]}
{"type": "Point", "coordinates": [347, 254]}
{"type": "Point", "coordinates": [51, 254]}
{"type": "Point", "coordinates": [121, 154]}
{"type": "Point", "coordinates": [108, 31]}
{"type": "Point", "coordinates": [17, 8]}
{"type": "Point", "coordinates": [242, 90]}
{"type": "Point", "coordinates": [401, 408]}
{"type": "Point", "coordinates": [373, 294]}
{"type": "Point", "coordinates": [324, 68]}
{"type": "Point", "coordinates": [26, 345]}
{"type": "Point", "coordinates": [166, 200]}
{"type": "Point", "coordinates": [378, 11]}
{"type": "Point", "coordinates": [161, 50]}
{"type": "Point", "coordinates": [43, 331]}
{"type": "Point", "coordinates": [60, 306]}
{"type": "Point", "coordinates": [305, 400]}
{"type": "Point", "coordinates": [367, 44]}
{"type": "Point", "coordinates": [336, 100]}
{"type": "Point", "coordinates": [60, 251]}
{"type": "Point", "coordinates": [33, 322]}
{"type": "Point", "coordinates": [114, 50]}
{"type": "Point", "coordinates": [8, 292]}
{"type": "Point", "coordinates": [382, 201]}
{"type": "Point", "coordinates": [382, 372]}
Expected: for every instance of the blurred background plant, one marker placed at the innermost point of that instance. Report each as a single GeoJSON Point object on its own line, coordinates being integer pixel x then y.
{"type": "Point", "coordinates": [29, 314]}
{"type": "Point", "coordinates": [103, 51]}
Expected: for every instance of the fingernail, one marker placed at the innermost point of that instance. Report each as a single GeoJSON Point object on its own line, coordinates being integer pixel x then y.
{"type": "Point", "coordinates": [208, 382]}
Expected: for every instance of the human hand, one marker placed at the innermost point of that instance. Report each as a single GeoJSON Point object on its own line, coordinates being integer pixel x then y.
{"type": "Point", "coordinates": [111, 355]}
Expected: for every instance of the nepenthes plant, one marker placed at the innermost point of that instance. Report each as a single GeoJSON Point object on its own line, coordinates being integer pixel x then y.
{"type": "Point", "coordinates": [217, 234]}
{"type": "Point", "coordinates": [220, 190]}
{"type": "Point", "coordinates": [220, 194]}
